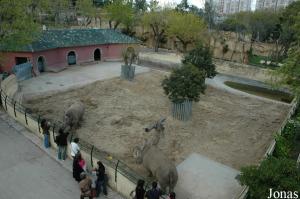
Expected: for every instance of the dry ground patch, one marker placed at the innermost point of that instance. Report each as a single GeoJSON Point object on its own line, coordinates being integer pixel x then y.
{"type": "Point", "coordinates": [231, 129]}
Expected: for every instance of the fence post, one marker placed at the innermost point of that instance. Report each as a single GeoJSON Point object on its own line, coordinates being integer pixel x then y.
{"type": "Point", "coordinates": [15, 108]}
{"type": "Point", "coordinates": [92, 163]}
{"type": "Point", "coordinates": [0, 97]}
{"type": "Point", "coordinates": [5, 101]}
{"type": "Point", "coordinates": [39, 118]}
{"type": "Point", "coordinates": [71, 137]}
{"type": "Point", "coordinates": [26, 117]}
{"type": "Point", "coordinates": [116, 170]}
{"type": "Point", "coordinates": [53, 132]}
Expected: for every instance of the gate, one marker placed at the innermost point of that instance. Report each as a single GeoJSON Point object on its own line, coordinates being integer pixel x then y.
{"type": "Point", "coordinates": [23, 71]}
{"type": "Point", "coordinates": [71, 58]}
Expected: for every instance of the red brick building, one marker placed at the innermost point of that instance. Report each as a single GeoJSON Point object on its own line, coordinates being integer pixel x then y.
{"type": "Point", "coordinates": [55, 49]}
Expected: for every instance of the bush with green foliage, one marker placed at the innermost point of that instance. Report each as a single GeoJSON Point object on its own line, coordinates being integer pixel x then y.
{"type": "Point", "coordinates": [184, 83]}
{"type": "Point", "coordinates": [280, 174]}
{"type": "Point", "coordinates": [282, 148]}
{"type": "Point", "coordinates": [285, 141]}
{"type": "Point", "coordinates": [201, 57]}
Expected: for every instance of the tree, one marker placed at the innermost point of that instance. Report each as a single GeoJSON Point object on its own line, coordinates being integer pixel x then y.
{"type": "Point", "coordinates": [120, 12]}
{"type": "Point", "coordinates": [186, 27]}
{"type": "Point", "coordinates": [184, 83]}
{"type": "Point", "coordinates": [141, 5]}
{"type": "Point", "coordinates": [287, 21]}
{"type": "Point", "coordinates": [157, 21]}
{"type": "Point", "coordinates": [17, 27]}
{"type": "Point", "coordinates": [59, 11]}
{"type": "Point", "coordinates": [288, 74]}
{"type": "Point", "coordinates": [209, 14]}
{"type": "Point", "coordinates": [37, 7]}
{"type": "Point", "coordinates": [183, 6]}
{"type": "Point", "coordinates": [279, 174]}
{"type": "Point", "coordinates": [201, 57]}
{"type": "Point", "coordinates": [86, 10]}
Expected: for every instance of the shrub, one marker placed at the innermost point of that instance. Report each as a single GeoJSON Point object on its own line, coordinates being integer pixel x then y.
{"type": "Point", "coordinates": [184, 83]}
{"type": "Point", "coordinates": [201, 57]}
{"type": "Point", "coordinates": [280, 174]}
{"type": "Point", "coordinates": [282, 148]}
{"type": "Point", "coordinates": [289, 130]}
{"type": "Point", "coordinates": [285, 141]}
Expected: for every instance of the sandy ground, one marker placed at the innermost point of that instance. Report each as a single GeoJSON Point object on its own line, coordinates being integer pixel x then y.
{"type": "Point", "coordinates": [232, 129]}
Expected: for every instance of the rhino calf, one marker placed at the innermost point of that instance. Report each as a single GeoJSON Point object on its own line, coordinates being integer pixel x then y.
{"type": "Point", "coordinates": [74, 114]}
{"type": "Point", "coordinates": [159, 165]}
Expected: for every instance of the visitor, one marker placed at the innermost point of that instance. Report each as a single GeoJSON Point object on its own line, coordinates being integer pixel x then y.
{"type": "Point", "coordinates": [62, 142]}
{"type": "Point", "coordinates": [45, 127]}
{"type": "Point", "coordinates": [154, 193]}
{"type": "Point", "coordinates": [101, 179]}
{"type": "Point", "coordinates": [77, 169]}
{"type": "Point", "coordinates": [139, 190]}
{"type": "Point", "coordinates": [85, 186]}
{"type": "Point", "coordinates": [81, 162]}
{"type": "Point", "coordinates": [172, 195]}
{"type": "Point", "coordinates": [74, 147]}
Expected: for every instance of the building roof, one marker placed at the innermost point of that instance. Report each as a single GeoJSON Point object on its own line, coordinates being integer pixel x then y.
{"type": "Point", "coordinates": [50, 39]}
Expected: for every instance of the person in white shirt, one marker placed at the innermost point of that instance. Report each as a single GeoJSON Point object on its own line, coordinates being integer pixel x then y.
{"type": "Point", "coordinates": [74, 147]}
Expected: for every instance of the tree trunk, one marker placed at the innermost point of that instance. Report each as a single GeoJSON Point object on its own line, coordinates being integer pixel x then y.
{"type": "Point", "coordinates": [156, 44]}
{"type": "Point", "coordinates": [235, 44]}
{"type": "Point", "coordinates": [110, 25]}
{"type": "Point", "coordinates": [184, 46]}
{"type": "Point", "coordinates": [116, 25]}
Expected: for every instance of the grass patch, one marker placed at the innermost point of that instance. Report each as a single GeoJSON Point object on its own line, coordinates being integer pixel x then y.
{"type": "Point", "coordinates": [255, 60]}
{"type": "Point", "coordinates": [262, 92]}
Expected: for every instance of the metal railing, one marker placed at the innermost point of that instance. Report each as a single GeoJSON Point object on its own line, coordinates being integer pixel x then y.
{"type": "Point", "coordinates": [119, 166]}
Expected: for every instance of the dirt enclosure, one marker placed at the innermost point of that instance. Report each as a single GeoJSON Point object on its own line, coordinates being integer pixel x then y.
{"type": "Point", "coordinates": [228, 128]}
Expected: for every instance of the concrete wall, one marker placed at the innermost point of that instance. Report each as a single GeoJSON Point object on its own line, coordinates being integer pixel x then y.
{"type": "Point", "coordinates": [242, 70]}
{"type": "Point", "coordinates": [10, 86]}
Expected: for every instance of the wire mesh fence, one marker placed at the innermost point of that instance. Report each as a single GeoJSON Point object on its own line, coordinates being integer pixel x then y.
{"type": "Point", "coordinates": [182, 111]}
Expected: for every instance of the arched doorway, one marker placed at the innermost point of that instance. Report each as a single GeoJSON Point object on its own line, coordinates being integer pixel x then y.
{"type": "Point", "coordinates": [41, 64]}
{"type": "Point", "coordinates": [97, 55]}
{"type": "Point", "coordinates": [71, 58]}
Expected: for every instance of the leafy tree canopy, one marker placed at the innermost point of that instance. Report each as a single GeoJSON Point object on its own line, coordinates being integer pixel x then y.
{"type": "Point", "coordinates": [184, 83]}
{"type": "Point", "coordinates": [17, 26]}
{"type": "Point", "coordinates": [289, 73]}
{"type": "Point", "coordinates": [201, 57]}
{"type": "Point", "coordinates": [141, 5]}
{"type": "Point", "coordinates": [279, 174]}
{"type": "Point", "coordinates": [157, 21]}
{"type": "Point", "coordinates": [120, 12]}
{"type": "Point", "coordinates": [86, 8]}
{"type": "Point", "coordinates": [262, 24]}
{"type": "Point", "coordinates": [186, 27]}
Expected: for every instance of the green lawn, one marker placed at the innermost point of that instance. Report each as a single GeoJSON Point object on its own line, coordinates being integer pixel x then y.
{"type": "Point", "coordinates": [255, 60]}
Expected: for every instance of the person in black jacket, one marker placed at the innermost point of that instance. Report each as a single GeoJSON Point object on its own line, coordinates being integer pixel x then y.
{"type": "Point", "coordinates": [139, 190]}
{"type": "Point", "coordinates": [77, 169]}
{"type": "Point", "coordinates": [154, 193]}
{"type": "Point", "coordinates": [101, 179]}
{"type": "Point", "coordinates": [62, 142]}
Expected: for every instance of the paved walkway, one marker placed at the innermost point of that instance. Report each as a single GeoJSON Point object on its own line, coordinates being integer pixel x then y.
{"type": "Point", "coordinates": [73, 77]}
{"type": "Point", "coordinates": [28, 171]}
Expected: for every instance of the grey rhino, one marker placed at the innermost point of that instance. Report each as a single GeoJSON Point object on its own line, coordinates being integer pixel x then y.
{"type": "Point", "coordinates": [158, 165]}
{"type": "Point", "coordinates": [74, 114]}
